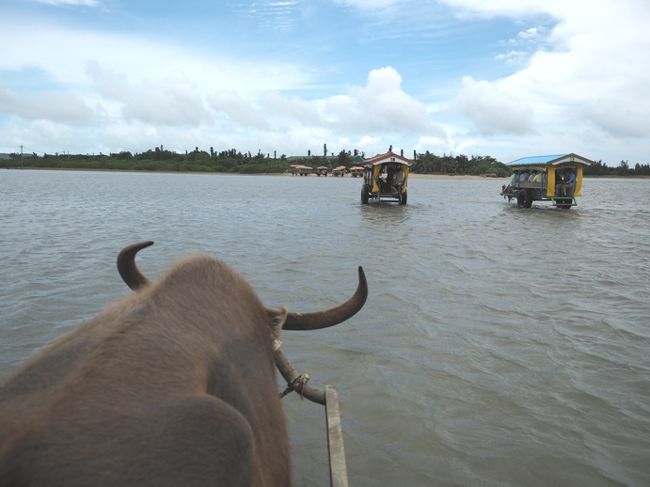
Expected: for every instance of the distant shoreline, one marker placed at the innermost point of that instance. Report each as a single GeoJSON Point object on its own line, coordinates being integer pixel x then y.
{"type": "Point", "coordinates": [412, 175]}
{"type": "Point", "coordinates": [143, 171]}
{"type": "Point", "coordinates": [449, 176]}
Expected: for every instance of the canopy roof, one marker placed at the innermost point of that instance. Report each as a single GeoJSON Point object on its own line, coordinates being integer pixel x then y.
{"type": "Point", "coordinates": [552, 159]}
{"type": "Point", "coordinates": [388, 157]}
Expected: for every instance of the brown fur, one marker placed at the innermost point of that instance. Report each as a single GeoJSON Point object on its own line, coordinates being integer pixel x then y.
{"type": "Point", "coordinates": [173, 385]}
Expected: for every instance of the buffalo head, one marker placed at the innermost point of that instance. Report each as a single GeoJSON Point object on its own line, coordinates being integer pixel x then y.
{"type": "Point", "coordinates": [294, 321]}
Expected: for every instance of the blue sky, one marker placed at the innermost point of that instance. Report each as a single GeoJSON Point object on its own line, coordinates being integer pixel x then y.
{"type": "Point", "coordinates": [507, 78]}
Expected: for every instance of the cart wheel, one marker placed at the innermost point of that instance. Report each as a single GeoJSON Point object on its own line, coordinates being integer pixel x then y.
{"type": "Point", "coordinates": [522, 199]}
{"type": "Point", "coordinates": [529, 198]}
{"type": "Point", "coordinates": [364, 194]}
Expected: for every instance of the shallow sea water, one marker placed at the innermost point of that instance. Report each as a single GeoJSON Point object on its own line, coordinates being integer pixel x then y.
{"type": "Point", "coordinates": [499, 346]}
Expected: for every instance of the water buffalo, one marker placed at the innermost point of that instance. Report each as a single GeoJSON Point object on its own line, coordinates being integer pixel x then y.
{"type": "Point", "coordinates": [173, 385]}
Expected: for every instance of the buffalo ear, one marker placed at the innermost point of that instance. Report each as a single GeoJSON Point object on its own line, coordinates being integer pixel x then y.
{"type": "Point", "coordinates": [278, 317]}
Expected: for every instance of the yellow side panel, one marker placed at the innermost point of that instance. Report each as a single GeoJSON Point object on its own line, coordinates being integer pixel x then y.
{"type": "Point", "coordinates": [550, 181]}
{"type": "Point", "coordinates": [578, 191]}
{"type": "Point", "coordinates": [375, 175]}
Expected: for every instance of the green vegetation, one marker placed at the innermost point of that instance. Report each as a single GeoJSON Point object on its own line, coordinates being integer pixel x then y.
{"type": "Point", "coordinates": [428, 163]}
{"type": "Point", "coordinates": [623, 169]}
{"type": "Point", "coordinates": [233, 161]}
{"type": "Point", "coordinates": [159, 159]}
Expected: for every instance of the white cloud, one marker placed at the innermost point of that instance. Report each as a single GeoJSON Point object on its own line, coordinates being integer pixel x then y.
{"type": "Point", "coordinates": [57, 107]}
{"type": "Point", "coordinates": [173, 100]}
{"type": "Point", "coordinates": [133, 83]}
{"type": "Point", "coordinates": [493, 110]}
{"type": "Point", "coordinates": [83, 3]}
{"type": "Point", "coordinates": [277, 15]}
{"type": "Point", "coordinates": [586, 86]}
{"type": "Point", "coordinates": [304, 112]}
{"type": "Point", "coordinates": [522, 46]}
{"type": "Point", "coordinates": [133, 93]}
{"type": "Point", "coordinates": [529, 34]}
{"type": "Point", "coordinates": [513, 8]}
{"type": "Point", "coordinates": [367, 142]}
{"type": "Point", "coordinates": [580, 81]}
{"type": "Point", "coordinates": [513, 57]}
{"type": "Point", "coordinates": [238, 109]}
{"type": "Point", "coordinates": [368, 5]}
{"type": "Point", "coordinates": [456, 142]}
{"type": "Point", "coordinates": [65, 53]}
{"type": "Point", "coordinates": [432, 144]}
{"type": "Point", "coordinates": [381, 106]}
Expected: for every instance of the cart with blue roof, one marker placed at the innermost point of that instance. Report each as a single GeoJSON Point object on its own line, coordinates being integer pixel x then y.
{"type": "Point", "coordinates": [556, 178]}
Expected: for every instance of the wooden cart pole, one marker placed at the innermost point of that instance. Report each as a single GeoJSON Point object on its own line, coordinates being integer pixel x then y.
{"type": "Point", "coordinates": [330, 399]}
{"type": "Point", "coordinates": [338, 468]}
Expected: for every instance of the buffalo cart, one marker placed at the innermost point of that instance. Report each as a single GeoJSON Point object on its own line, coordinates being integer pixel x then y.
{"type": "Point", "coordinates": [556, 178]}
{"type": "Point", "coordinates": [385, 178]}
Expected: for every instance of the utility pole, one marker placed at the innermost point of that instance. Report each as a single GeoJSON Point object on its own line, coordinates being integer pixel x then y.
{"type": "Point", "coordinates": [21, 156]}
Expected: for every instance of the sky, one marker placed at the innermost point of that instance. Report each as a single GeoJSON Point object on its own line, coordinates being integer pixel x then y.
{"type": "Point", "coordinates": [504, 78]}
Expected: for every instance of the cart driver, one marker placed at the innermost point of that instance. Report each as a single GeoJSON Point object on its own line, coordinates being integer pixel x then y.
{"type": "Point", "coordinates": [398, 177]}
{"type": "Point", "coordinates": [382, 179]}
{"type": "Point", "coordinates": [390, 175]}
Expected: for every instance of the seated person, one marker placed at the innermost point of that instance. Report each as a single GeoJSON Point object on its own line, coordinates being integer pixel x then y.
{"type": "Point", "coordinates": [398, 177]}
{"type": "Point", "coordinates": [381, 181]}
{"type": "Point", "coordinates": [560, 183]}
{"type": "Point", "coordinates": [570, 182]}
{"type": "Point", "coordinates": [390, 176]}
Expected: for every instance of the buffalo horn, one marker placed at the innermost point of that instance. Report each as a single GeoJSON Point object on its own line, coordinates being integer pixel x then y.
{"type": "Point", "coordinates": [332, 316]}
{"type": "Point", "coordinates": [295, 321]}
{"type": "Point", "coordinates": [127, 268]}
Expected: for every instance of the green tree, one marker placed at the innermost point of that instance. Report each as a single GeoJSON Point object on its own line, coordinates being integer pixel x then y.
{"type": "Point", "coordinates": [344, 159]}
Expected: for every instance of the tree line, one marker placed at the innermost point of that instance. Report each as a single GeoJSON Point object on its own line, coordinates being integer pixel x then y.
{"type": "Point", "coordinates": [623, 169]}
{"type": "Point", "coordinates": [234, 161]}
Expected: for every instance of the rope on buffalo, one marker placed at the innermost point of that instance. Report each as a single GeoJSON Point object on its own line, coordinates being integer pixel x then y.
{"type": "Point", "coordinates": [298, 384]}
{"type": "Point", "coordinates": [295, 382]}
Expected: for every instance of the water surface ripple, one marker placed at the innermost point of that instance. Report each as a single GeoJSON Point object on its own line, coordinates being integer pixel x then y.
{"type": "Point", "coordinates": [498, 346]}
